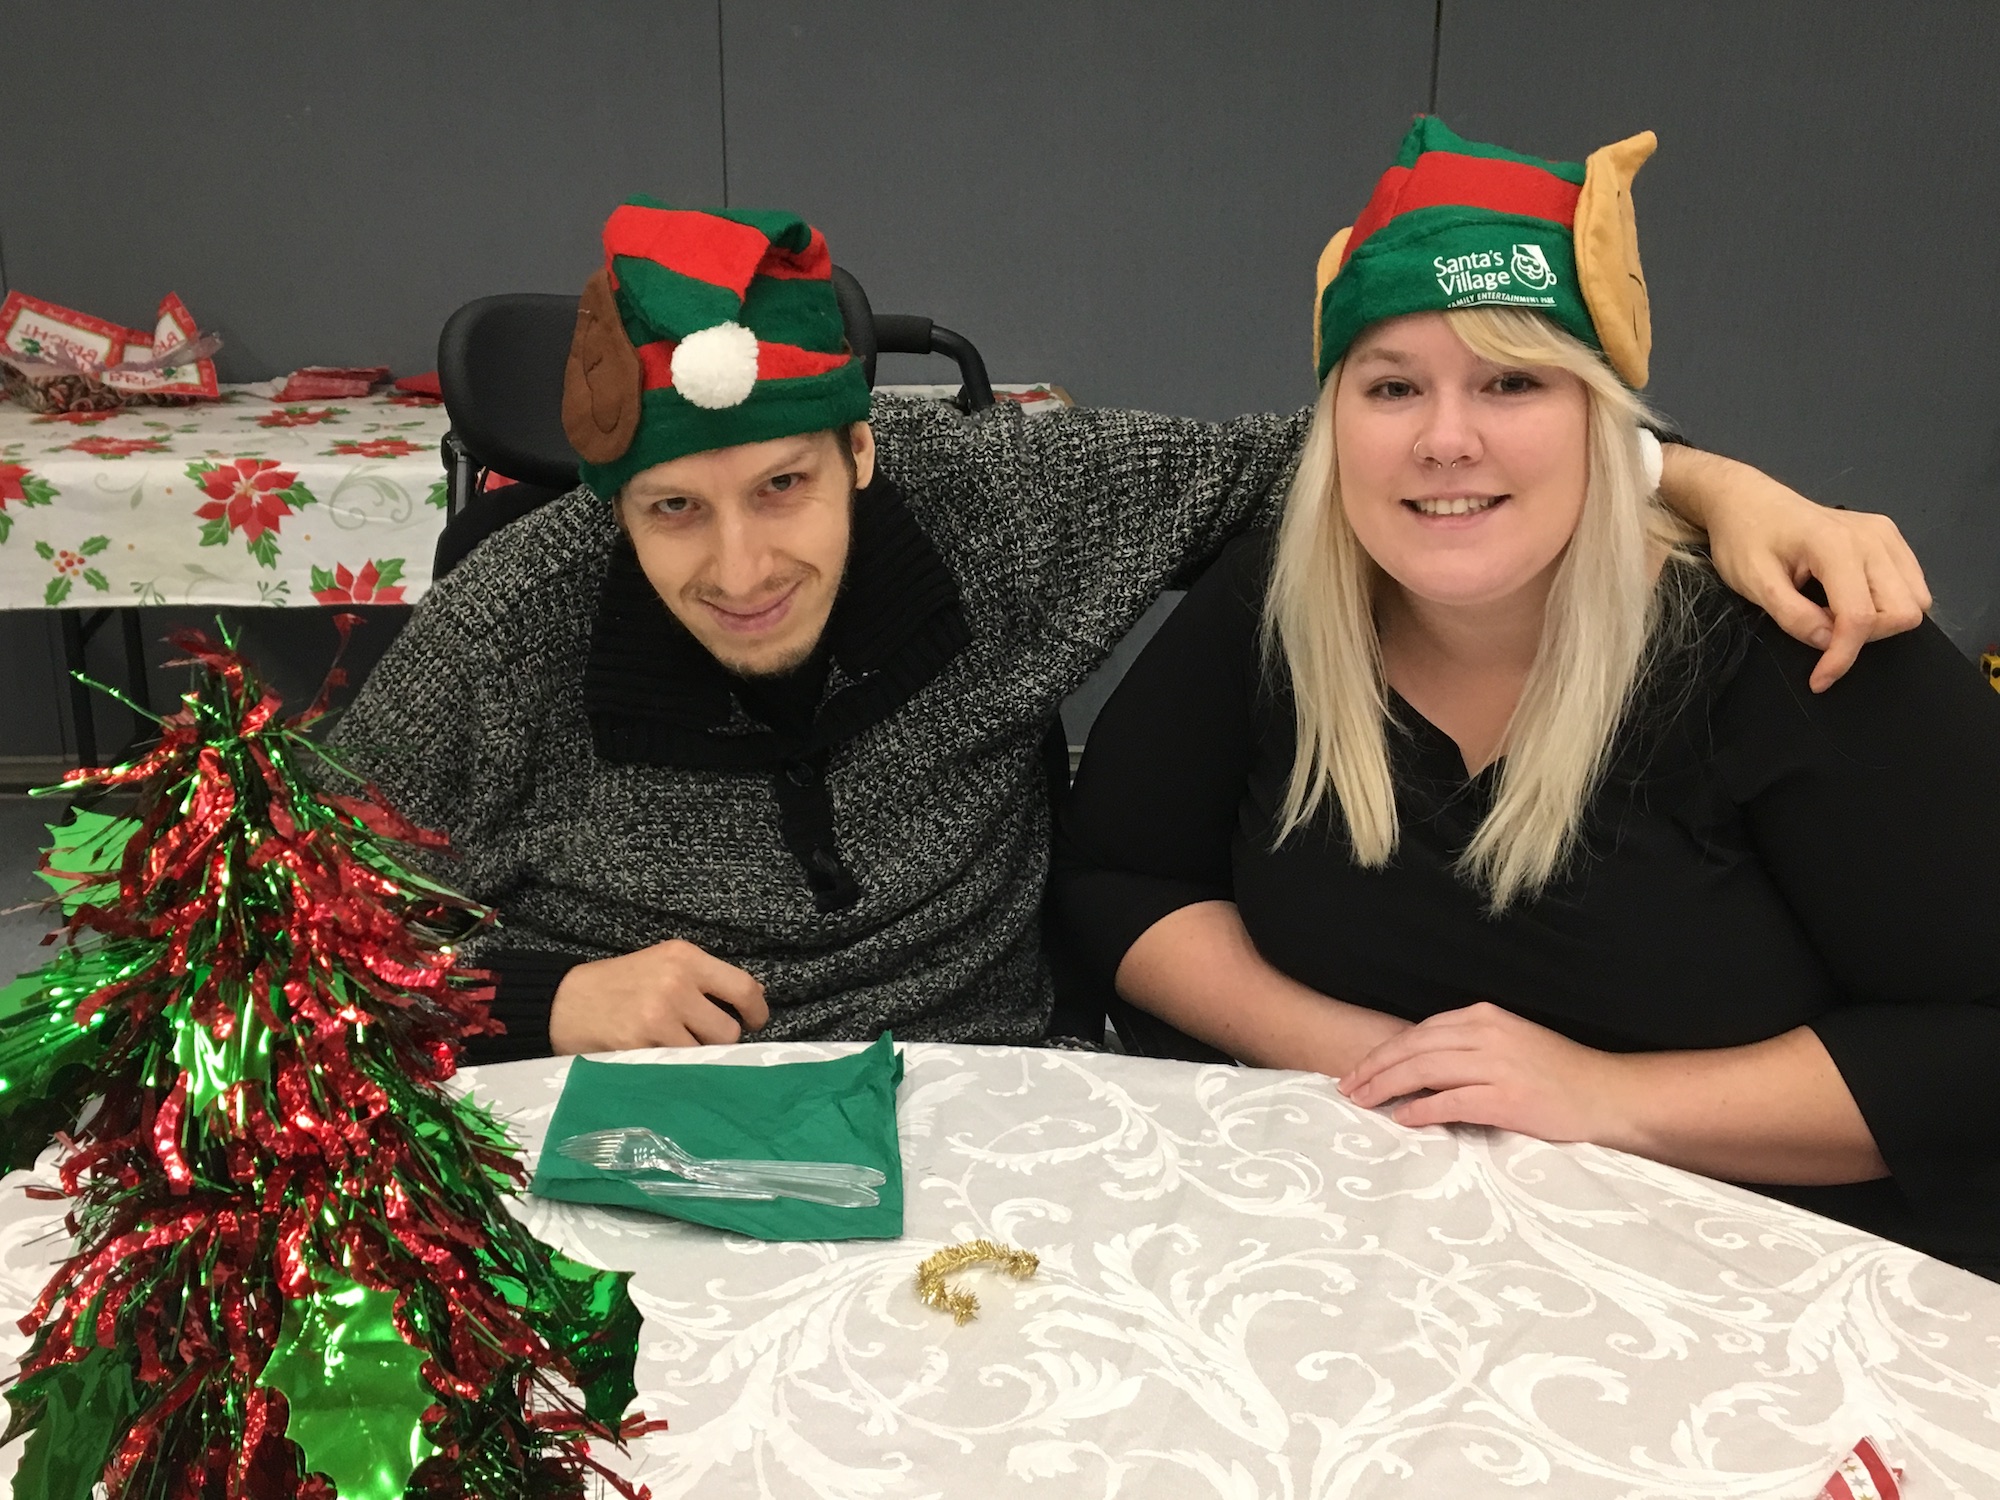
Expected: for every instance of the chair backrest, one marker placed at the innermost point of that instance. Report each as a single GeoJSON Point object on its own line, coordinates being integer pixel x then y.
{"type": "Point", "coordinates": [500, 366]}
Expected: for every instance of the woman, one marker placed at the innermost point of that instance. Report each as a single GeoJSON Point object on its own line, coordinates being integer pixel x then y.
{"type": "Point", "coordinates": [1475, 790]}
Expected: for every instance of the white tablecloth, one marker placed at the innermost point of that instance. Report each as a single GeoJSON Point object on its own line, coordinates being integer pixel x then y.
{"type": "Point", "coordinates": [310, 502]}
{"type": "Point", "coordinates": [1251, 1289]}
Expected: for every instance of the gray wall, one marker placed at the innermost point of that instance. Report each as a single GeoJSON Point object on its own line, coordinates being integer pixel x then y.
{"type": "Point", "coordinates": [324, 182]}
{"type": "Point", "coordinates": [1821, 232]}
{"type": "Point", "coordinates": [1122, 195]}
{"type": "Point", "coordinates": [1125, 197]}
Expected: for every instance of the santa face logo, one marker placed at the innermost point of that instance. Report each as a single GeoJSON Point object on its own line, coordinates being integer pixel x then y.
{"type": "Point", "coordinates": [1531, 268]}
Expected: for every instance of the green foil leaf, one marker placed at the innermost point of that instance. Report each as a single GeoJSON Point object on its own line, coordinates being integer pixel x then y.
{"type": "Point", "coordinates": [598, 1329]}
{"type": "Point", "coordinates": [46, 1059]}
{"type": "Point", "coordinates": [79, 1411]}
{"type": "Point", "coordinates": [213, 1066]}
{"type": "Point", "coordinates": [89, 844]}
{"type": "Point", "coordinates": [356, 1390]}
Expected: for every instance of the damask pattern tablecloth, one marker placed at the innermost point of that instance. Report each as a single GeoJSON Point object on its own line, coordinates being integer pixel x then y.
{"type": "Point", "coordinates": [242, 501]}
{"type": "Point", "coordinates": [1252, 1290]}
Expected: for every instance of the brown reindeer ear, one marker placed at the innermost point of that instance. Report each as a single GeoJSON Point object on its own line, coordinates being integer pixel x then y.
{"type": "Point", "coordinates": [603, 381]}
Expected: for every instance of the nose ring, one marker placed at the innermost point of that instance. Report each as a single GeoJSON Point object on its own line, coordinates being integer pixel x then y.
{"type": "Point", "coordinates": [1422, 457]}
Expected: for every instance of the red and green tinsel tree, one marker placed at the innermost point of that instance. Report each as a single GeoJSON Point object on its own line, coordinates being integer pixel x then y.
{"type": "Point", "coordinates": [295, 1274]}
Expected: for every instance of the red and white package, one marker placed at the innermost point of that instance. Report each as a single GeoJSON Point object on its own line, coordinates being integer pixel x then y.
{"type": "Point", "coordinates": [327, 382]}
{"type": "Point", "coordinates": [1864, 1474]}
{"type": "Point", "coordinates": [38, 331]}
{"type": "Point", "coordinates": [49, 346]}
{"type": "Point", "coordinates": [177, 362]}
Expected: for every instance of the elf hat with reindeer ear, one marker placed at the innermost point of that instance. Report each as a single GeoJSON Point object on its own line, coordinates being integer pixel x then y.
{"type": "Point", "coordinates": [1459, 224]}
{"type": "Point", "coordinates": [705, 329]}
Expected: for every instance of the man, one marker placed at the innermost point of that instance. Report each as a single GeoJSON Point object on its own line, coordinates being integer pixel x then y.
{"type": "Point", "coordinates": [747, 732]}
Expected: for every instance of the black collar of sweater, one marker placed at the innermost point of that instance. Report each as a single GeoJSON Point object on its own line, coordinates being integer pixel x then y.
{"type": "Point", "coordinates": [656, 697]}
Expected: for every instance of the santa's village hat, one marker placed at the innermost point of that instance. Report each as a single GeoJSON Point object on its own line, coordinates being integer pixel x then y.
{"type": "Point", "coordinates": [1456, 223]}
{"type": "Point", "coordinates": [706, 328]}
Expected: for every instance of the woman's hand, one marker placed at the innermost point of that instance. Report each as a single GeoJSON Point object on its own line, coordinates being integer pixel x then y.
{"type": "Point", "coordinates": [1767, 539]}
{"type": "Point", "coordinates": [1486, 1066]}
{"type": "Point", "coordinates": [1770, 1111]}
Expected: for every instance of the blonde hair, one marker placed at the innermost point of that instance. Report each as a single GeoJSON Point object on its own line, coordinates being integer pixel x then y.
{"type": "Point", "coordinates": [1603, 610]}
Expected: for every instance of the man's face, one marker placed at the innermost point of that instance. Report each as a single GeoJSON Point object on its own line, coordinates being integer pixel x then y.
{"type": "Point", "coordinates": [746, 545]}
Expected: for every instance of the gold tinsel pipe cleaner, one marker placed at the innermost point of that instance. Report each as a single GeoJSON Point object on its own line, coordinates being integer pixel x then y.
{"type": "Point", "coordinates": [962, 1305]}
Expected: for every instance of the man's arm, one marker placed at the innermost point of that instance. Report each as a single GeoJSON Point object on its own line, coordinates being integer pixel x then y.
{"type": "Point", "coordinates": [1094, 512]}
{"type": "Point", "coordinates": [1767, 540]}
{"type": "Point", "coordinates": [416, 728]}
{"type": "Point", "coordinates": [1105, 509]}
{"type": "Point", "coordinates": [423, 730]}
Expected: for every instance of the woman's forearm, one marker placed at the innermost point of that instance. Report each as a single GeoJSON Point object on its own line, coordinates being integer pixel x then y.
{"type": "Point", "coordinates": [1197, 969]}
{"type": "Point", "coordinates": [1775, 1112]}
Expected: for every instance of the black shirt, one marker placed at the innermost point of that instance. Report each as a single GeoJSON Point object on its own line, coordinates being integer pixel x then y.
{"type": "Point", "coordinates": [788, 701]}
{"type": "Point", "coordinates": [1757, 858]}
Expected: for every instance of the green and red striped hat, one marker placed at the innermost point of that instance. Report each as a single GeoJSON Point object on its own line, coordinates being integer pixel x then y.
{"type": "Point", "coordinates": [1456, 223]}
{"type": "Point", "coordinates": [707, 328]}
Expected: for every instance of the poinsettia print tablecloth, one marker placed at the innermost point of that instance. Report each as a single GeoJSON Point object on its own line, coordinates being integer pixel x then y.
{"type": "Point", "coordinates": [241, 501]}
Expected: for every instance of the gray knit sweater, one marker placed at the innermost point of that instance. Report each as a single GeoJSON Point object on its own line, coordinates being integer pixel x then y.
{"type": "Point", "coordinates": [604, 790]}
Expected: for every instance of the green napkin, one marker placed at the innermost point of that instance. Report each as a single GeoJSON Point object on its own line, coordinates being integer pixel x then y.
{"type": "Point", "coordinates": [840, 1110]}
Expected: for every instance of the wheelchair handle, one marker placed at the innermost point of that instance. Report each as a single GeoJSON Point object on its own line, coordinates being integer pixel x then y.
{"type": "Point", "coordinates": [902, 333]}
{"type": "Point", "coordinates": [909, 333]}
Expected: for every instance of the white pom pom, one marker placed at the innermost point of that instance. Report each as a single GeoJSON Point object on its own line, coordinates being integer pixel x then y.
{"type": "Point", "coordinates": [716, 367]}
{"type": "Point", "coordinates": [1650, 459]}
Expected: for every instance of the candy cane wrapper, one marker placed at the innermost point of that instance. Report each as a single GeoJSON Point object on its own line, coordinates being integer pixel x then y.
{"type": "Point", "coordinates": [1864, 1474]}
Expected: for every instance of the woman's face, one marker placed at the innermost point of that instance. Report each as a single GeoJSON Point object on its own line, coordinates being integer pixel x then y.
{"type": "Point", "coordinates": [1464, 479]}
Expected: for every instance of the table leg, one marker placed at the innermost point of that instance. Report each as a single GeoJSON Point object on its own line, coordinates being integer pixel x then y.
{"type": "Point", "coordinates": [81, 721]}
{"type": "Point", "coordinates": [135, 678]}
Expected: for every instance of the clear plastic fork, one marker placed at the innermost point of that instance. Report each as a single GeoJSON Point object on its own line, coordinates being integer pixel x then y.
{"type": "Point", "coordinates": [637, 1149]}
{"type": "Point", "coordinates": [833, 1194]}
{"type": "Point", "coordinates": [699, 1190]}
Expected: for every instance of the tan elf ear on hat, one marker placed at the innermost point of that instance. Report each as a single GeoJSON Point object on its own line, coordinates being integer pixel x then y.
{"type": "Point", "coordinates": [1329, 267]}
{"type": "Point", "coordinates": [603, 381]}
{"type": "Point", "coordinates": [1607, 256]}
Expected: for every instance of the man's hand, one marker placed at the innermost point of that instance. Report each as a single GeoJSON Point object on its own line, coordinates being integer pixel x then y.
{"type": "Point", "coordinates": [1767, 539]}
{"type": "Point", "coordinates": [1486, 1066]}
{"type": "Point", "coordinates": [662, 996]}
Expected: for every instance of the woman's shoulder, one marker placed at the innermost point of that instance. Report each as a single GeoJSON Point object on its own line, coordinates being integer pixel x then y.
{"type": "Point", "coordinates": [1237, 580]}
{"type": "Point", "coordinates": [1901, 690]}
{"type": "Point", "coordinates": [1699, 632]}
{"type": "Point", "coordinates": [1727, 701]}
{"type": "Point", "coordinates": [1211, 645]}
